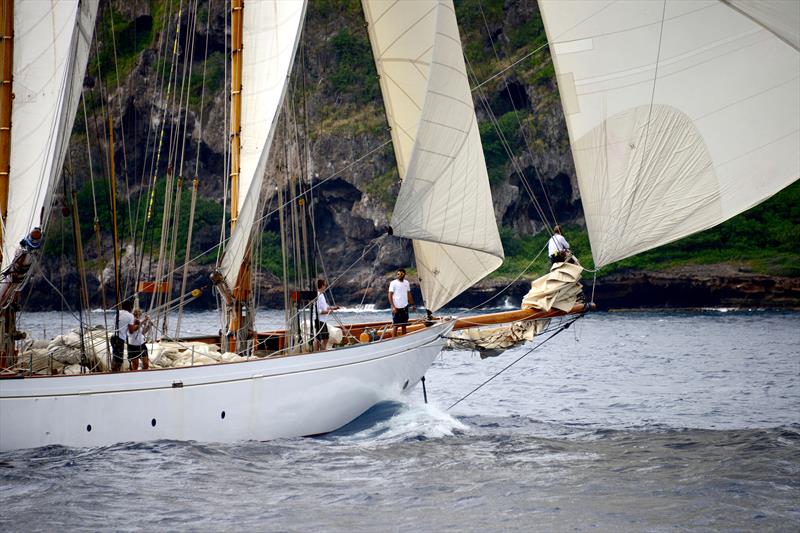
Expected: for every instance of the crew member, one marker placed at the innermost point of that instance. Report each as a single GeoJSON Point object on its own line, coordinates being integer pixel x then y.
{"type": "Point", "coordinates": [557, 247]}
{"type": "Point", "coordinates": [399, 298]}
{"type": "Point", "coordinates": [323, 313]}
{"type": "Point", "coordinates": [137, 349]}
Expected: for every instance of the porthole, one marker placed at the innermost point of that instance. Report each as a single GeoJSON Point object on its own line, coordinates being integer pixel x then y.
{"type": "Point", "coordinates": [405, 385]}
{"type": "Point", "coordinates": [222, 415]}
{"type": "Point", "coordinates": [153, 422]}
{"type": "Point", "coordinates": [89, 427]}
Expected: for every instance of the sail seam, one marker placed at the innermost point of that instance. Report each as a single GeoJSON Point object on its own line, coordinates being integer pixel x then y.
{"type": "Point", "coordinates": [405, 32]}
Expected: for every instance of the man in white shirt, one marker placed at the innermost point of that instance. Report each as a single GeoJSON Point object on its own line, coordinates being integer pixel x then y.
{"type": "Point", "coordinates": [557, 246]}
{"type": "Point", "coordinates": [137, 349]}
{"type": "Point", "coordinates": [399, 298]}
{"type": "Point", "coordinates": [124, 320]}
{"type": "Point", "coordinates": [323, 313]}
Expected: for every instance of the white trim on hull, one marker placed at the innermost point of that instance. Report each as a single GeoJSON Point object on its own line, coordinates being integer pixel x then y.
{"type": "Point", "coordinates": [261, 399]}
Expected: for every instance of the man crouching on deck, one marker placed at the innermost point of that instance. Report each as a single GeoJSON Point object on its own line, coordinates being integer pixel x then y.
{"type": "Point", "coordinates": [399, 298]}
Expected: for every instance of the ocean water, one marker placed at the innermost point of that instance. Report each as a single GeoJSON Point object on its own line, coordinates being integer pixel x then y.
{"type": "Point", "coordinates": [634, 421]}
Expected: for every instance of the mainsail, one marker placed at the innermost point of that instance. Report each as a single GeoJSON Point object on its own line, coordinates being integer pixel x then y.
{"type": "Point", "coordinates": [445, 203]}
{"type": "Point", "coordinates": [51, 48]}
{"type": "Point", "coordinates": [680, 114]}
{"type": "Point", "coordinates": [271, 33]}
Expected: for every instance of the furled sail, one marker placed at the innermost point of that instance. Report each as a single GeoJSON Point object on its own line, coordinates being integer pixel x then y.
{"type": "Point", "coordinates": [51, 48]}
{"type": "Point", "coordinates": [680, 114]}
{"type": "Point", "coordinates": [445, 203]}
{"type": "Point", "coordinates": [270, 35]}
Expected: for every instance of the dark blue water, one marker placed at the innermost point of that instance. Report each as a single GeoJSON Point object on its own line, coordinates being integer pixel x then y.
{"type": "Point", "coordinates": [625, 422]}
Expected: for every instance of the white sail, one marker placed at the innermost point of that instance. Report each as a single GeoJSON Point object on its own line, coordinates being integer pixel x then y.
{"type": "Point", "coordinates": [445, 203]}
{"type": "Point", "coordinates": [680, 114]}
{"type": "Point", "coordinates": [270, 36]}
{"type": "Point", "coordinates": [51, 48]}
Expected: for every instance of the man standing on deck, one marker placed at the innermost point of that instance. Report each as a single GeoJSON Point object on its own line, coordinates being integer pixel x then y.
{"type": "Point", "coordinates": [323, 312]}
{"type": "Point", "coordinates": [399, 298]}
{"type": "Point", "coordinates": [125, 319]}
{"type": "Point", "coordinates": [137, 349]}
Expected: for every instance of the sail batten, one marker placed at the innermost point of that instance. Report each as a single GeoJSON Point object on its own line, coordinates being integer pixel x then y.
{"type": "Point", "coordinates": [271, 34]}
{"type": "Point", "coordinates": [680, 115]}
{"type": "Point", "coordinates": [445, 203]}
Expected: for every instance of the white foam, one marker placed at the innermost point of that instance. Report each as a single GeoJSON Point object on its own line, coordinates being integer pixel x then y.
{"type": "Point", "coordinates": [412, 421]}
{"type": "Point", "coordinates": [366, 308]}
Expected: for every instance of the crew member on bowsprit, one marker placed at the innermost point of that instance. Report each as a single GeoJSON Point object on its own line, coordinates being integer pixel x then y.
{"type": "Point", "coordinates": [558, 247]}
{"type": "Point", "coordinates": [399, 298]}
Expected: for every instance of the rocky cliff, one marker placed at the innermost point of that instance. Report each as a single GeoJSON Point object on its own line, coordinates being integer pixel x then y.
{"type": "Point", "coordinates": [169, 115]}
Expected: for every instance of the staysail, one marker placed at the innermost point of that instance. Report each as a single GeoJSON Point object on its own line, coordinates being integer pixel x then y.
{"type": "Point", "coordinates": [680, 114]}
{"type": "Point", "coordinates": [445, 203]}
{"type": "Point", "coordinates": [51, 48]}
{"type": "Point", "coordinates": [270, 36]}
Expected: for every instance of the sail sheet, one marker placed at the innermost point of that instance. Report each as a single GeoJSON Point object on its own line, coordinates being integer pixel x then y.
{"type": "Point", "coordinates": [271, 33]}
{"type": "Point", "coordinates": [51, 48]}
{"type": "Point", "coordinates": [445, 203]}
{"type": "Point", "coordinates": [680, 114]}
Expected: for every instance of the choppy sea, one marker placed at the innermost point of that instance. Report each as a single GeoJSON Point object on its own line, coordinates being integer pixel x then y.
{"type": "Point", "coordinates": [628, 421]}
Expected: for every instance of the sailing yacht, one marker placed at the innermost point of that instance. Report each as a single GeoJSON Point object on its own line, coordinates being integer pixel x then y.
{"type": "Point", "coordinates": [667, 136]}
{"type": "Point", "coordinates": [289, 393]}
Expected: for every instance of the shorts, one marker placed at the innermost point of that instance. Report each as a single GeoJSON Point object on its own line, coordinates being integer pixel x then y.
{"type": "Point", "coordinates": [322, 330]}
{"type": "Point", "coordinates": [559, 257]}
{"type": "Point", "coordinates": [400, 316]}
{"type": "Point", "coordinates": [135, 352]}
{"type": "Point", "coordinates": [117, 349]}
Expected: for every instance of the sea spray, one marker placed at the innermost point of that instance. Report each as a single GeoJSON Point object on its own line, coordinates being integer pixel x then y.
{"type": "Point", "coordinates": [397, 421]}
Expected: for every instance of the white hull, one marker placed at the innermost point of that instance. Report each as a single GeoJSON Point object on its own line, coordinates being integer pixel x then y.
{"type": "Point", "coordinates": [261, 399]}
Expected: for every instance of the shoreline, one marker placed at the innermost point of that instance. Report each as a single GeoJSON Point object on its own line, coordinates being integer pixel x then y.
{"type": "Point", "coordinates": [694, 287]}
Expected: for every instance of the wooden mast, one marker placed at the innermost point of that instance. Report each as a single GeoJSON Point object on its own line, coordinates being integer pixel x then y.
{"type": "Point", "coordinates": [7, 315]}
{"type": "Point", "coordinates": [6, 96]}
{"type": "Point", "coordinates": [237, 23]}
{"type": "Point", "coordinates": [241, 290]}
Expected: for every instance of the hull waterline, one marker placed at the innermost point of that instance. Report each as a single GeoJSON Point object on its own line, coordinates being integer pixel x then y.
{"type": "Point", "coordinates": [261, 399]}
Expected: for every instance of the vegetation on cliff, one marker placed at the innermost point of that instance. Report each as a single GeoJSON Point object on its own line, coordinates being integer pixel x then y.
{"type": "Point", "coordinates": [336, 98]}
{"type": "Point", "coordinates": [763, 240]}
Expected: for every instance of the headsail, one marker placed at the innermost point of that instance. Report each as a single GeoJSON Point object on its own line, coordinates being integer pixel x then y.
{"type": "Point", "coordinates": [681, 115]}
{"type": "Point", "coordinates": [445, 203]}
{"type": "Point", "coordinates": [51, 48]}
{"type": "Point", "coordinates": [271, 33]}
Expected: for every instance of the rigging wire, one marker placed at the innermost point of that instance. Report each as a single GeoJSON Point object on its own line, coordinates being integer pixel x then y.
{"type": "Point", "coordinates": [314, 185]}
{"type": "Point", "coordinates": [509, 284]}
{"type": "Point", "coordinates": [519, 121]}
{"type": "Point", "coordinates": [167, 208]}
{"type": "Point", "coordinates": [96, 221]}
{"type": "Point", "coordinates": [226, 155]}
{"type": "Point", "coordinates": [195, 181]}
{"type": "Point", "coordinates": [188, 53]}
{"type": "Point", "coordinates": [122, 127]}
{"type": "Point", "coordinates": [510, 153]}
{"type": "Point", "coordinates": [285, 203]}
{"type": "Point", "coordinates": [514, 362]}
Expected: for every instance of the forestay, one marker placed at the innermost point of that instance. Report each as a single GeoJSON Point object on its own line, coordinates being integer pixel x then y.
{"type": "Point", "coordinates": [680, 114]}
{"type": "Point", "coordinates": [445, 203]}
{"type": "Point", "coordinates": [51, 48]}
{"type": "Point", "coordinates": [270, 36]}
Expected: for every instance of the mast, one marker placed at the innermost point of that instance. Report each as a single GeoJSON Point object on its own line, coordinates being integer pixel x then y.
{"type": "Point", "coordinates": [8, 314]}
{"type": "Point", "coordinates": [241, 290]}
{"type": "Point", "coordinates": [259, 80]}
{"type": "Point", "coordinates": [7, 58]}
{"type": "Point", "coordinates": [237, 24]}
